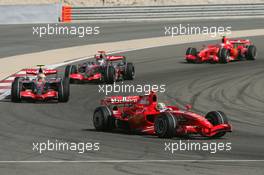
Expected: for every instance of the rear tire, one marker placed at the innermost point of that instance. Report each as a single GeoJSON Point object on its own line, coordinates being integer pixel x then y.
{"type": "Point", "coordinates": [165, 126]}
{"type": "Point", "coordinates": [251, 53]}
{"type": "Point", "coordinates": [110, 75]}
{"type": "Point", "coordinates": [70, 69]}
{"type": "Point", "coordinates": [129, 72]}
{"type": "Point", "coordinates": [64, 90]}
{"type": "Point", "coordinates": [217, 118]}
{"type": "Point", "coordinates": [223, 55]}
{"type": "Point", "coordinates": [15, 90]}
{"type": "Point", "coordinates": [102, 119]}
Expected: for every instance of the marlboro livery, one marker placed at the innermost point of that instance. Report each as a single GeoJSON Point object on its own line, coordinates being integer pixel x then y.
{"type": "Point", "coordinates": [37, 86]}
{"type": "Point", "coordinates": [105, 68]}
{"type": "Point", "coordinates": [228, 50]}
{"type": "Point", "coordinates": [144, 114]}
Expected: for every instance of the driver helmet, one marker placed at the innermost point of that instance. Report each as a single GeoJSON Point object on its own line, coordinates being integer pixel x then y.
{"type": "Point", "coordinates": [161, 106]}
{"type": "Point", "coordinates": [102, 56]}
{"type": "Point", "coordinates": [41, 77]}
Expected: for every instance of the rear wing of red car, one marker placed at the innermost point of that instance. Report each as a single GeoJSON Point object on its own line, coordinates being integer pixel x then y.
{"type": "Point", "coordinates": [240, 41]}
{"type": "Point", "coordinates": [112, 57]}
{"type": "Point", "coordinates": [109, 57]}
{"type": "Point", "coordinates": [150, 99]}
{"type": "Point", "coordinates": [115, 58]}
{"type": "Point", "coordinates": [44, 71]}
{"type": "Point", "coordinates": [115, 100]}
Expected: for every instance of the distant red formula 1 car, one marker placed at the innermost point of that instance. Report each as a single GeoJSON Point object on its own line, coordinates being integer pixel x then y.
{"type": "Point", "coordinates": [39, 87]}
{"type": "Point", "coordinates": [228, 50]}
{"type": "Point", "coordinates": [144, 114]}
{"type": "Point", "coordinates": [105, 68]}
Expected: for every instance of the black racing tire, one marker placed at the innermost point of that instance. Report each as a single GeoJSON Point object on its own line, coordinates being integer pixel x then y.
{"type": "Point", "coordinates": [165, 126]}
{"type": "Point", "coordinates": [110, 74]}
{"type": "Point", "coordinates": [70, 69]}
{"type": "Point", "coordinates": [64, 90]}
{"type": "Point", "coordinates": [251, 52]}
{"type": "Point", "coordinates": [129, 73]}
{"type": "Point", "coordinates": [102, 119]}
{"type": "Point", "coordinates": [241, 57]}
{"type": "Point", "coordinates": [223, 55]}
{"type": "Point", "coordinates": [193, 52]}
{"type": "Point", "coordinates": [217, 118]}
{"type": "Point", "coordinates": [15, 90]}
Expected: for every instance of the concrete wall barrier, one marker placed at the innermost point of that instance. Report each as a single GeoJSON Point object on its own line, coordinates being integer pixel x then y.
{"type": "Point", "coordinates": [21, 14]}
{"type": "Point", "coordinates": [160, 12]}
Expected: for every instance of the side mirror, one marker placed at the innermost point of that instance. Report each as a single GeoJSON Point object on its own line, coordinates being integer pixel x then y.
{"type": "Point", "coordinates": [188, 107]}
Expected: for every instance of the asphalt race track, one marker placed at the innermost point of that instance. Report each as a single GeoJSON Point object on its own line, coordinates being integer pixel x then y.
{"type": "Point", "coordinates": [19, 39]}
{"type": "Point", "coordinates": [235, 88]}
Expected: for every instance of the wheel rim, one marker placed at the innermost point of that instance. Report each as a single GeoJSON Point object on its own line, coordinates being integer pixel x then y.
{"type": "Point", "coordinates": [227, 56]}
{"type": "Point", "coordinates": [160, 126]}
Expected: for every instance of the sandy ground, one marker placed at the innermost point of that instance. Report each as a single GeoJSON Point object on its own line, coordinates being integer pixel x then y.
{"type": "Point", "coordinates": [128, 2]}
{"type": "Point", "coordinates": [10, 65]}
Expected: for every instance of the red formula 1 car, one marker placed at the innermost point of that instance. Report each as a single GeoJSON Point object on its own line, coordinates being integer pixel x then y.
{"type": "Point", "coordinates": [105, 68]}
{"type": "Point", "coordinates": [144, 114]}
{"type": "Point", "coordinates": [37, 87]}
{"type": "Point", "coordinates": [228, 50]}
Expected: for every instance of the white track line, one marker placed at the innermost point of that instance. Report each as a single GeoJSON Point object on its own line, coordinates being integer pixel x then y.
{"type": "Point", "coordinates": [10, 78]}
{"type": "Point", "coordinates": [2, 91]}
{"type": "Point", "coordinates": [6, 92]}
{"type": "Point", "coordinates": [5, 84]}
{"type": "Point", "coordinates": [134, 161]}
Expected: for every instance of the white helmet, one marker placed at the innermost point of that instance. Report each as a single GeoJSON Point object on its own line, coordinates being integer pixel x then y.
{"type": "Point", "coordinates": [161, 106]}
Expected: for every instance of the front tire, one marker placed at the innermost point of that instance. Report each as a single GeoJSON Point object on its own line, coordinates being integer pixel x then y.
{"type": "Point", "coordinates": [217, 118]}
{"type": "Point", "coordinates": [223, 55]}
{"type": "Point", "coordinates": [110, 75]}
{"type": "Point", "coordinates": [165, 126]}
{"type": "Point", "coordinates": [251, 53]}
{"type": "Point", "coordinates": [15, 90]}
{"type": "Point", "coordinates": [193, 52]}
{"type": "Point", "coordinates": [102, 119]}
{"type": "Point", "coordinates": [64, 90]}
{"type": "Point", "coordinates": [129, 71]}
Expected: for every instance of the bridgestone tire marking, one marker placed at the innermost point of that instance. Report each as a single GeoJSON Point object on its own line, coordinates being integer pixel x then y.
{"type": "Point", "coordinates": [221, 117]}
{"type": "Point", "coordinates": [174, 122]}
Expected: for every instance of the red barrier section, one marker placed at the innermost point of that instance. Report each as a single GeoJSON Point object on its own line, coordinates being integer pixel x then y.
{"type": "Point", "coordinates": [66, 14]}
